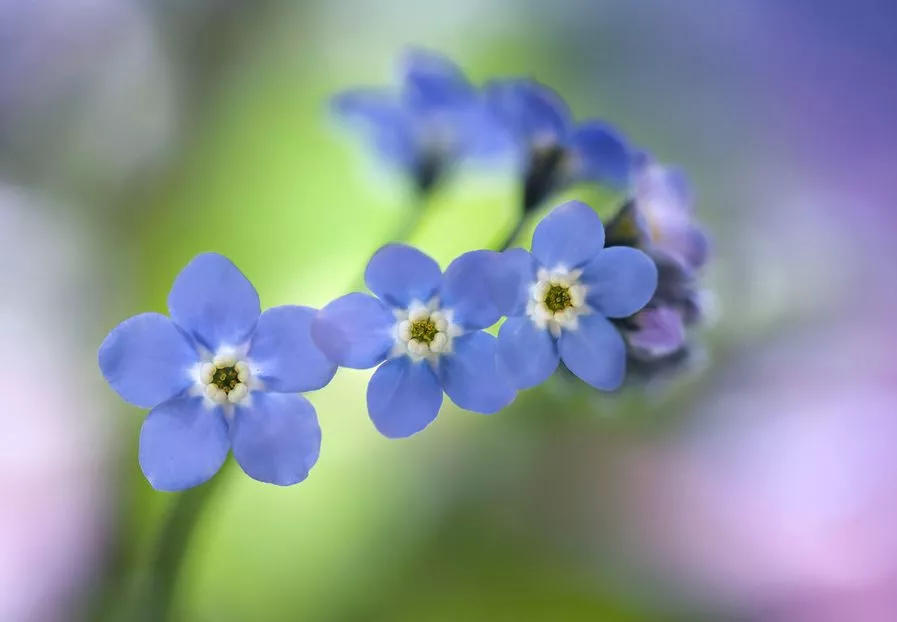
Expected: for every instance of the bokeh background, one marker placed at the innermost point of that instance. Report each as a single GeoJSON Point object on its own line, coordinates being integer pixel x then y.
{"type": "Point", "coordinates": [759, 486]}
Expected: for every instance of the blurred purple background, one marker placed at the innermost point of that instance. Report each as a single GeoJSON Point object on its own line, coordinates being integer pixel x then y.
{"type": "Point", "coordinates": [764, 489]}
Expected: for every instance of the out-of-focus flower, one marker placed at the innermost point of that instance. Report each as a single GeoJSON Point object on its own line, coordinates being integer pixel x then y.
{"type": "Point", "coordinates": [552, 150]}
{"type": "Point", "coordinates": [426, 330]}
{"type": "Point", "coordinates": [54, 448]}
{"type": "Point", "coordinates": [432, 120]}
{"type": "Point", "coordinates": [559, 297]}
{"type": "Point", "coordinates": [659, 219]}
{"type": "Point", "coordinates": [86, 93]}
{"type": "Point", "coordinates": [662, 213]}
{"type": "Point", "coordinates": [219, 374]}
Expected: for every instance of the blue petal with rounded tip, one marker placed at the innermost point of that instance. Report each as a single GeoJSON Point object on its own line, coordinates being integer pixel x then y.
{"type": "Point", "coordinates": [594, 352]}
{"type": "Point", "coordinates": [600, 155]}
{"type": "Point", "coordinates": [510, 281]}
{"type": "Point", "coordinates": [529, 353]}
{"type": "Point", "coordinates": [400, 274]}
{"type": "Point", "coordinates": [403, 397]}
{"type": "Point", "coordinates": [536, 113]}
{"type": "Point", "coordinates": [276, 437]}
{"type": "Point", "coordinates": [183, 443]}
{"type": "Point", "coordinates": [619, 281]}
{"type": "Point", "coordinates": [431, 81]}
{"type": "Point", "coordinates": [467, 289]}
{"type": "Point", "coordinates": [569, 236]}
{"type": "Point", "coordinates": [147, 360]}
{"type": "Point", "coordinates": [283, 354]}
{"type": "Point", "coordinates": [378, 115]}
{"type": "Point", "coordinates": [472, 377]}
{"type": "Point", "coordinates": [354, 331]}
{"type": "Point", "coordinates": [214, 302]}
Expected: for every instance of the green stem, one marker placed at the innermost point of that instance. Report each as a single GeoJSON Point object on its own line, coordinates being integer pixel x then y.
{"type": "Point", "coordinates": [513, 234]}
{"type": "Point", "coordinates": [156, 596]}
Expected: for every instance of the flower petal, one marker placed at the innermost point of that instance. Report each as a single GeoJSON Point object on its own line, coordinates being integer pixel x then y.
{"type": "Point", "coordinates": [400, 274]}
{"type": "Point", "coordinates": [183, 443]}
{"type": "Point", "coordinates": [378, 115]}
{"type": "Point", "coordinates": [404, 397]}
{"type": "Point", "coordinates": [432, 81]}
{"type": "Point", "coordinates": [283, 353]}
{"type": "Point", "coordinates": [530, 109]}
{"type": "Point", "coordinates": [600, 155]}
{"type": "Point", "coordinates": [661, 188]}
{"type": "Point", "coordinates": [510, 281]}
{"type": "Point", "coordinates": [569, 236]}
{"type": "Point", "coordinates": [276, 437]}
{"type": "Point", "coordinates": [660, 332]}
{"type": "Point", "coordinates": [528, 352]}
{"type": "Point", "coordinates": [472, 377]}
{"type": "Point", "coordinates": [467, 289]}
{"type": "Point", "coordinates": [595, 352]}
{"type": "Point", "coordinates": [147, 360]}
{"type": "Point", "coordinates": [214, 302]}
{"type": "Point", "coordinates": [620, 281]}
{"type": "Point", "coordinates": [354, 331]}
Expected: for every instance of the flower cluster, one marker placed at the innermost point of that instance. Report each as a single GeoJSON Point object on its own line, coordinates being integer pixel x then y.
{"type": "Point", "coordinates": [222, 375]}
{"type": "Point", "coordinates": [436, 118]}
{"type": "Point", "coordinates": [659, 219]}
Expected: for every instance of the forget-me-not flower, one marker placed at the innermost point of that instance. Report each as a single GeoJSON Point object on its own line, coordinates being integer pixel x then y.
{"type": "Point", "coordinates": [219, 375]}
{"type": "Point", "coordinates": [431, 120]}
{"type": "Point", "coordinates": [552, 149]}
{"type": "Point", "coordinates": [660, 215]}
{"type": "Point", "coordinates": [560, 296]}
{"type": "Point", "coordinates": [659, 218]}
{"type": "Point", "coordinates": [423, 329]}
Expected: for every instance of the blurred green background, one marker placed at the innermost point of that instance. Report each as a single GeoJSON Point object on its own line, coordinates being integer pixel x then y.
{"type": "Point", "coordinates": [134, 135]}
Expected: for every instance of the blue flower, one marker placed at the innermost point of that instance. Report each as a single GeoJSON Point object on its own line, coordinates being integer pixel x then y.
{"type": "Point", "coordinates": [219, 375]}
{"type": "Point", "coordinates": [560, 296]}
{"type": "Point", "coordinates": [553, 150]}
{"type": "Point", "coordinates": [434, 118]}
{"type": "Point", "coordinates": [424, 331]}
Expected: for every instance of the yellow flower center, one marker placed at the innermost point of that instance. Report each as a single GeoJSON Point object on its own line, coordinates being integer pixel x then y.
{"type": "Point", "coordinates": [226, 378]}
{"type": "Point", "coordinates": [423, 330]}
{"type": "Point", "coordinates": [558, 298]}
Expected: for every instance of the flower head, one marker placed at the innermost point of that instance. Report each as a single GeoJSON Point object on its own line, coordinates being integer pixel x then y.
{"type": "Point", "coordinates": [423, 331]}
{"type": "Point", "coordinates": [659, 219]}
{"type": "Point", "coordinates": [560, 296]}
{"type": "Point", "coordinates": [432, 119]}
{"type": "Point", "coordinates": [219, 375]}
{"type": "Point", "coordinates": [660, 215]}
{"type": "Point", "coordinates": [552, 149]}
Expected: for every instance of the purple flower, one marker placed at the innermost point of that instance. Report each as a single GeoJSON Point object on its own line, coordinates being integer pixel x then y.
{"type": "Point", "coordinates": [663, 206]}
{"type": "Point", "coordinates": [434, 118]}
{"type": "Point", "coordinates": [559, 297]}
{"type": "Point", "coordinates": [424, 331]}
{"type": "Point", "coordinates": [552, 149]}
{"type": "Point", "coordinates": [659, 219]}
{"type": "Point", "coordinates": [219, 374]}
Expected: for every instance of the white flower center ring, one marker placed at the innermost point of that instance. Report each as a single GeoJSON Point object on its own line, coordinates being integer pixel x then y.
{"type": "Point", "coordinates": [557, 299]}
{"type": "Point", "coordinates": [424, 331]}
{"type": "Point", "coordinates": [225, 379]}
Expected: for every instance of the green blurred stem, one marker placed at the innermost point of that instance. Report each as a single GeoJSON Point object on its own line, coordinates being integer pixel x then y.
{"type": "Point", "coordinates": [513, 234]}
{"type": "Point", "coordinates": [155, 599]}
{"type": "Point", "coordinates": [403, 232]}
